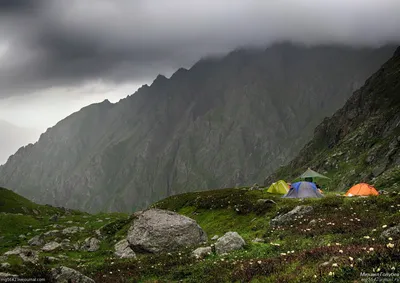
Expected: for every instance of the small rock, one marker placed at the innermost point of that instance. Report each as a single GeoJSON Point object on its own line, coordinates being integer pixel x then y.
{"type": "Point", "coordinates": [312, 222]}
{"type": "Point", "coordinates": [258, 240]}
{"type": "Point", "coordinates": [91, 244]}
{"type": "Point", "coordinates": [291, 216]}
{"type": "Point", "coordinates": [69, 222]}
{"type": "Point", "coordinates": [265, 201]}
{"type": "Point", "coordinates": [36, 241]}
{"type": "Point", "coordinates": [72, 230]}
{"type": "Point", "coordinates": [51, 259]}
{"type": "Point", "coordinates": [25, 254]}
{"type": "Point", "coordinates": [54, 218]}
{"type": "Point", "coordinates": [202, 252]}
{"type": "Point", "coordinates": [215, 238]}
{"type": "Point", "coordinates": [51, 246]}
{"type": "Point", "coordinates": [5, 265]}
{"type": "Point", "coordinates": [65, 274]}
{"type": "Point", "coordinates": [36, 212]}
{"type": "Point", "coordinates": [229, 242]}
{"type": "Point", "coordinates": [3, 258]}
{"type": "Point", "coordinates": [123, 250]}
{"type": "Point", "coordinates": [51, 233]}
{"type": "Point", "coordinates": [22, 236]}
{"type": "Point", "coordinates": [7, 275]}
{"type": "Point", "coordinates": [393, 232]}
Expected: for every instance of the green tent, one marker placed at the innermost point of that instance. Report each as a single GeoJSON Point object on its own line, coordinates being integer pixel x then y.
{"type": "Point", "coordinates": [311, 174]}
{"type": "Point", "coordinates": [280, 187]}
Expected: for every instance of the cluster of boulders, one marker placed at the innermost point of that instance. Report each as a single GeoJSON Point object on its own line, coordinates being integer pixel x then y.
{"type": "Point", "coordinates": [152, 231]}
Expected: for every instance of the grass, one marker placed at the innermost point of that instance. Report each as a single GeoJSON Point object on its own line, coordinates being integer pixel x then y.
{"type": "Point", "coordinates": [345, 227]}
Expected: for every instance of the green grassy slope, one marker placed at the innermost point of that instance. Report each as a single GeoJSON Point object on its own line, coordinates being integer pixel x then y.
{"type": "Point", "coordinates": [345, 228]}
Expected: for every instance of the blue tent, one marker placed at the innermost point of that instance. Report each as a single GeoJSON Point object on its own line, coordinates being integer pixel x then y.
{"type": "Point", "coordinates": [303, 190]}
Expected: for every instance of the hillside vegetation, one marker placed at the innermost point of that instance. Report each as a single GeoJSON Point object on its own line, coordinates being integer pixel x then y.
{"type": "Point", "coordinates": [338, 241]}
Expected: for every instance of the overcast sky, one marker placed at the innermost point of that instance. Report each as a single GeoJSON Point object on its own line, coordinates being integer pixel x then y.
{"type": "Point", "coordinates": [57, 56]}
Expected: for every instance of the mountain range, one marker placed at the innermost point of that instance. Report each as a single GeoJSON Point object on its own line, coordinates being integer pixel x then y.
{"type": "Point", "coordinates": [227, 121]}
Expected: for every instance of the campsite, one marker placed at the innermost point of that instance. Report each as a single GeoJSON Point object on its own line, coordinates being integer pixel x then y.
{"type": "Point", "coordinates": [306, 187]}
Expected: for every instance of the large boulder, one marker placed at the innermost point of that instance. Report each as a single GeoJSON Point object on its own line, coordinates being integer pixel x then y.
{"type": "Point", "coordinates": [123, 250]}
{"type": "Point", "coordinates": [297, 213]}
{"type": "Point", "coordinates": [393, 232]}
{"type": "Point", "coordinates": [91, 244]}
{"type": "Point", "coordinates": [65, 274]}
{"type": "Point", "coordinates": [157, 230]}
{"type": "Point", "coordinates": [229, 242]}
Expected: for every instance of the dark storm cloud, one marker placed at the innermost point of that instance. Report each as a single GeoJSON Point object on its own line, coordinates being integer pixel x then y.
{"type": "Point", "coordinates": [67, 42]}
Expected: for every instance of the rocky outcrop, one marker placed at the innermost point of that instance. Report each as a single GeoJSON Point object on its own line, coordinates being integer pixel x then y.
{"type": "Point", "coordinates": [202, 252]}
{"type": "Point", "coordinates": [157, 230]}
{"type": "Point", "coordinates": [123, 250]}
{"type": "Point", "coordinates": [65, 274]}
{"type": "Point", "coordinates": [229, 242]}
{"type": "Point", "coordinates": [178, 134]}
{"type": "Point", "coordinates": [297, 213]}
{"type": "Point", "coordinates": [91, 244]}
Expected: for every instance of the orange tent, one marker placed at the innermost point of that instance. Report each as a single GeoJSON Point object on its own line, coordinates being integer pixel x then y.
{"type": "Point", "coordinates": [362, 189]}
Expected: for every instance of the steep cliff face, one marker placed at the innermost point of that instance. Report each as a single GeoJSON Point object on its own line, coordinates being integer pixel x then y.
{"type": "Point", "coordinates": [225, 122]}
{"type": "Point", "coordinates": [361, 141]}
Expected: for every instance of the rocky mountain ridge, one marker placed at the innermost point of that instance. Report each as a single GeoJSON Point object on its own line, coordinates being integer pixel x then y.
{"type": "Point", "coordinates": [226, 122]}
{"type": "Point", "coordinates": [361, 141]}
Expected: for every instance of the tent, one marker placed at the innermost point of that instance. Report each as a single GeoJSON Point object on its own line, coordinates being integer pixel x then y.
{"type": "Point", "coordinates": [303, 190]}
{"type": "Point", "coordinates": [362, 189]}
{"type": "Point", "coordinates": [280, 187]}
{"type": "Point", "coordinates": [311, 174]}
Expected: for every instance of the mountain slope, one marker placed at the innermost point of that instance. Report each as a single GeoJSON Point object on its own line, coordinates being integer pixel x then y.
{"type": "Point", "coordinates": [13, 137]}
{"type": "Point", "coordinates": [225, 122]}
{"type": "Point", "coordinates": [361, 141]}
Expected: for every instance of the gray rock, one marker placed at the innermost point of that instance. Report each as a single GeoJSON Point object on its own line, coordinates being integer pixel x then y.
{"type": "Point", "coordinates": [72, 230]}
{"type": "Point", "coordinates": [51, 246]}
{"type": "Point", "coordinates": [123, 250]}
{"type": "Point", "coordinates": [3, 258]}
{"type": "Point", "coordinates": [393, 232]}
{"type": "Point", "coordinates": [91, 244]}
{"type": "Point", "coordinates": [51, 259]}
{"type": "Point", "coordinates": [70, 222]}
{"type": "Point", "coordinates": [54, 218]}
{"type": "Point", "coordinates": [215, 238]}
{"type": "Point", "coordinates": [258, 240]}
{"type": "Point", "coordinates": [291, 216]}
{"type": "Point", "coordinates": [312, 222]}
{"type": "Point", "coordinates": [65, 274]}
{"type": "Point", "coordinates": [36, 241]}
{"type": "Point", "coordinates": [202, 252]}
{"type": "Point", "coordinates": [22, 236]}
{"type": "Point", "coordinates": [157, 230]}
{"type": "Point", "coordinates": [36, 212]}
{"type": "Point", "coordinates": [229, 242]}
{"type": "Point", "coordinates": [5, 265]}
{"type": "Point", "coordinates": [27, 255]}
{"type": "Point", "coordinates": [7, 275]}
{"type": "Point", "coordinates": [51, 233]}
{"type": "Point", "coordinates": [265, 201]}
